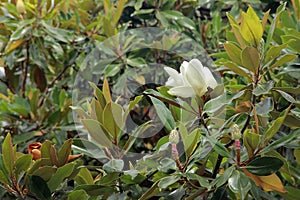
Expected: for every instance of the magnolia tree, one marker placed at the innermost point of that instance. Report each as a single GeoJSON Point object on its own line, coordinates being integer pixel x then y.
{"type": "Point", "coordinates": [221, 128]}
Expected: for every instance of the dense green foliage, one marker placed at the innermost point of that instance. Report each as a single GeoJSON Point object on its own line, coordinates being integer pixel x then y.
{"type": "Point", "coordinates": [85, 111]}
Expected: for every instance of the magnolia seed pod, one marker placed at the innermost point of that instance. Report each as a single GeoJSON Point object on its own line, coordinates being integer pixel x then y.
{"type": "Point", "coordinates": [174, 137]}
{"type": "Point", "coordinates": [20, 7]}
{"type": "Point", "coordinates": [236, 132]}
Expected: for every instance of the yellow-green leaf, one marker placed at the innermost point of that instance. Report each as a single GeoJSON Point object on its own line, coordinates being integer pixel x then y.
{"type": "Point", "coordinates": [251, 142]}
{"type": "Point", "coordinates": [109, 121]}
{"type": "Point", "coordinates": [8, 153]}
{"type": "Point", "coordinates": [251, 27]}
{"type": "Point", "coordinates": [13, 45]}
{"type": "Point", "coordinates": [251, 59]}
{"type": "Point", "coordinates": [106, 91]}
{"type": "Point", "coordinates": [236, 31]}
{"type": "Point", "coordinates": [233, 52]}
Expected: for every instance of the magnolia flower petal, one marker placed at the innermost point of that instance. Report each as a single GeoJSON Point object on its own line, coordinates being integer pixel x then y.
{"type": "Point", "coordinates": [183, 69]}
{"type": "Point", "coordinates": [182, 91]}
{"type": "Point", "coordinates": [175, 78]}
{"type": "Point", "coordinates": [209, 78]}
{"type": "Point", "coordinates": [196, 77]}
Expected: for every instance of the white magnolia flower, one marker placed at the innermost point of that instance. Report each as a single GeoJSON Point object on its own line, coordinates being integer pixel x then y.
{"type": "Point", "coordinates": [193, 79]}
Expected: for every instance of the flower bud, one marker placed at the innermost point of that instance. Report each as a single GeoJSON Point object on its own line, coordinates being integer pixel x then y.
{"type": "Point", "coordinates": [174, 137]}
{"type": "Point", "coordinates": [236, 132]}
{"type": "Point", "coordinates": [20, 6]}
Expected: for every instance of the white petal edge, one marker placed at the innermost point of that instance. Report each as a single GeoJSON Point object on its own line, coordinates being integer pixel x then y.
{"type": "Point", "coordinates": [182, 91]}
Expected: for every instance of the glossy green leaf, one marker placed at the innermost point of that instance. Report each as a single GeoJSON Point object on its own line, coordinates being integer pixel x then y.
{"type": "Point", "coordinates": [239, 184]}
{"type": "Point", "coordinates": [263, 88]}
{"type": "Point", "coordinates": [84, 176]}
{"type": "Point", "coordinates": [220, 102]}
{"type": "Point", "coordinates": [293, 45]}
{"type": "Point", "coordinates": [274, 24]}
{"type": "Point", "coordinates": [45, 172]}
{"type": "Point", "coordinates": [293, 193]}
{"type": "Point", "coordinates": [203, 181]}
{"type": "Point", "coordinates": [167, 181]}
{"type": "Point", "coordinates": [219, 147]}
{"type": "Point", "coordinates": [287, 96]}
{"type": "Point", "coordinates": [221, 180]}
{"type": "Point", "coordinates": [264, 166]}
{"type": "Point", "coordinates": [282, 60]}
{"type": "Point", "coordinates": [282, 141]}
{"type": "Point", "coordinates": [152, 191]}
{"type": "Point", "coordinates": [275, 51]}
{"type": "Point", "coordinates": [236, 30]}
{"type": "Point", "coordinates": [264, 107]}
{"type": "Point", "coordinates": [172, 14]}
{"type": "Point", "coordinates": [59, 176]}
{"type": "Point", "coordinates": [135, 134]}
{"type": "Point", "coordinates": [106, 91]}
{"type": "Point", "coordinates": [88, 148]}
{"type": "Point", "coordinates": [189, 140]}
{"type": "Point", "coordinates": [275, 126]}
{"type": "Point", "coordinates": [164, 114]}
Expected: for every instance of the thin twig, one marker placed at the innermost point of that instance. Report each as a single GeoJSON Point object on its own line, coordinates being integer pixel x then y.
{"type": "Point", "coordinates": [4, 81]}
{"type": "Point", "coordinates": [58, 76]}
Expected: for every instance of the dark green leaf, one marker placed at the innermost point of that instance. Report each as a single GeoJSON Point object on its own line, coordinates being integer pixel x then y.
{"type": "Point", "coordinates": [40, 187]}
{"type": "Point", "coordinates": [282, 141]}
{"type": "Point", "coordinates": [61, 174]}
{"type": "Point", "coordinates": [275, 126]}
{"type": "Point", "coordinates": [264, 166]}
